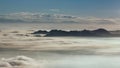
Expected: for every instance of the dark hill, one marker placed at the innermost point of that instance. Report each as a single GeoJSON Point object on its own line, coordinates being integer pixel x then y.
{"type": "Point", "coordinates": [98, 32]}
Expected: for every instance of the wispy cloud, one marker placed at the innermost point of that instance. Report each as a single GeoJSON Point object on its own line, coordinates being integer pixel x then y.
{"type": "Point", "coordinates": [54, 10]}
{"type": "Point", "coordinates": [54, 18]}
{"type": "Point", "coordinates": [68, 20]}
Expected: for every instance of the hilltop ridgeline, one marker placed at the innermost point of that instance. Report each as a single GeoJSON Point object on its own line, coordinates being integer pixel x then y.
{"type": "Point", "coordinates": [52, 33]}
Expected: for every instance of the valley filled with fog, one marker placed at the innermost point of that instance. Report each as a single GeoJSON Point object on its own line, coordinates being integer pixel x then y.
{"type": "Point", "coordinates": [20, 49]}
{"type": "Point", "coordinates": [59, 33]}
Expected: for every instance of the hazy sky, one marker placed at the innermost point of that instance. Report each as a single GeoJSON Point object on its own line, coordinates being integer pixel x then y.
{"type": "Point", "coordinates": [82, 12]}
{"type": "Point", "coordinates": [107, 8]}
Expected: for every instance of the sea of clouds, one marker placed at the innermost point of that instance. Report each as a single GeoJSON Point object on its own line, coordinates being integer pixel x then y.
{"type": "Point", "coordinates": [25, 41]}
{"type": "Point", "coordinates": [56, 46]}
{"type": "Point", "coordinates": [18, 62]}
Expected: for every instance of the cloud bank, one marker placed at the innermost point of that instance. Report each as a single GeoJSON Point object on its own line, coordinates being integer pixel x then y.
{"type": "Point", "coordinates": [18, 61]}
{"type": "Point", "coordinates": [54, 18]}
{"type": "Point", "coordinates": [68, 20]}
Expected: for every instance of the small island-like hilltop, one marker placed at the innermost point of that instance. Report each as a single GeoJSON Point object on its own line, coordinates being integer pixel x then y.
{"type": "Point", "coordinates": [90, 33]}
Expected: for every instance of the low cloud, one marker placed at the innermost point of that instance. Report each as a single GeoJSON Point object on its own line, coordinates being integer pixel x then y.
{"type": "Point", "coordinates": [18, 61]}
{"type": "Point", "coordinates": [10, 20]}
{"type": "Point", "coordinates": [68, 20]}
{"type": "Point", "coordinates": [104, 22]}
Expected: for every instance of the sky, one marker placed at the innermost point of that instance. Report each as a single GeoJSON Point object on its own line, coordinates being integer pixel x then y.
{"type": "Point", "coordinates": [107, 8]}
{"type": "Point", "coordinates": [94, 12]}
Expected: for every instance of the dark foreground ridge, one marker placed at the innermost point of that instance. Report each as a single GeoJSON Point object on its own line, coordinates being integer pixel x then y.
{"type": "Point", "coordinates": [97, 33]}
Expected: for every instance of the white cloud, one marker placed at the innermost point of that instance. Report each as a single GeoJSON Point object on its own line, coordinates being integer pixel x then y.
{"type": "Point", "coordinates": [28, 17]}
{"type": "Point", "coordinates": [55, 10]}
{"type": "Point", "coordinates": [18, 61]}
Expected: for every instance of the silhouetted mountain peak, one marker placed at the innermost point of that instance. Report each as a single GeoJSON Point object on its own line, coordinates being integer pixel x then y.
{"type": "Point", "coordinates": [55, 32]}
{"type": "Point", "coordinates": [101, 31]}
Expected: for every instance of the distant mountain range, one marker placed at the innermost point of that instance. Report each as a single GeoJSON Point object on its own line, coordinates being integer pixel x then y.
{"type": "Point", "coordinates": [85, 33]}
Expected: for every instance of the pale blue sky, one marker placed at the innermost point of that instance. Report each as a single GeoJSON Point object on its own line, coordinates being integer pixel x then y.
{"type": "Point", "coordinates": [99, 8]}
